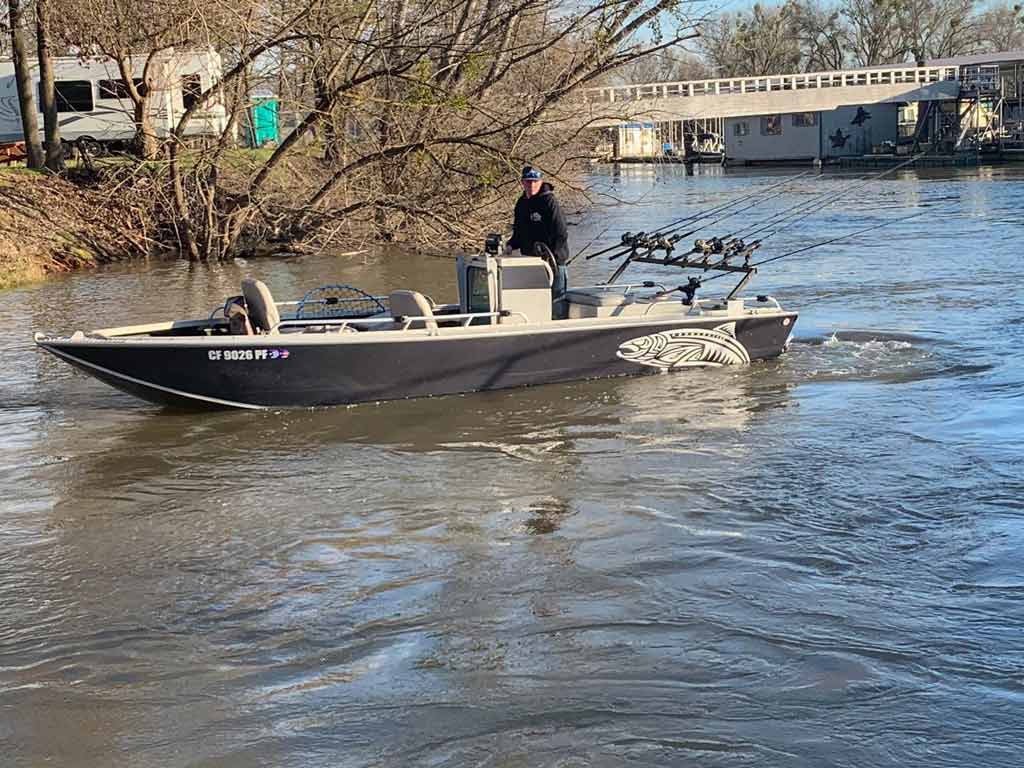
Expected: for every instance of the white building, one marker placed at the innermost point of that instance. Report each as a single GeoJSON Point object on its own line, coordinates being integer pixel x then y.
{"type": "Point", "coordinates": [805, 136]}
{"type": "Point", "coordinates": [639, 140]}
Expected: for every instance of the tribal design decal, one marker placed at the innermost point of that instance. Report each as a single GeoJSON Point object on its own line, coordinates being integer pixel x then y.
{"type": "Point", "coordinates": [686, 348]}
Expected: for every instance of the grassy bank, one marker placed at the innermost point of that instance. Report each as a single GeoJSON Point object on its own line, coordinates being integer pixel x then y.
{"type": "Point", "coordinates": [49, 225]}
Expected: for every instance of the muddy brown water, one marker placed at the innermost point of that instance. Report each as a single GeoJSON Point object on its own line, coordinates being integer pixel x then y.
{"type": "Point", "coordinates": [814, 561]}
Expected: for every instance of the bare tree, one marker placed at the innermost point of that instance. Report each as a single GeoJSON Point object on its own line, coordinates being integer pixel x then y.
{"type": "Point", "coordinates": [822, 36]}
{"type": "Point", "coordinates": [668, 66]}
{"type": "Point", "coordinates": [1001, 28]}
{"type": "Point", "coordinates": [873, 36]}
{"type": "Point", "coordinates": [23, 80]}
{"type": "Point", "coordinates": [935, 29]}
{"type": "Point", "coordinates": [138, 37]}
{"type": "Point", "coordinates": [414, 115]}
{"type": "Point", "coordinates": [758, 42]}
{"type": "Point", "coordinates": [54, 152]}
{"type": "Point", "coordinates": [5, 31]}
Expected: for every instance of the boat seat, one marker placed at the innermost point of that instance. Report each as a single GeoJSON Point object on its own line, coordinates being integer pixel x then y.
{"type": "Point", "coordinates": [597, 298]}
{"type": "Point", "coordinates": [260, 304]}
{"type": "Point", "coordinates": [412, 304]}
{"type": "Point", "coordinates": [238, 317]}
{"type": "Point", "coordinates": [596, 302]}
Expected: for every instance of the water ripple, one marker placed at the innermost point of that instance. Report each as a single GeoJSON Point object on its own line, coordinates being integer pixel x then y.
{"type": "Point", "coordinates": [810, 561]}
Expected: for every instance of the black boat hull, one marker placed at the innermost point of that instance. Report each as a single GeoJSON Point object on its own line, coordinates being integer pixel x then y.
{"type": "Point", "coordinates": [303, 370]}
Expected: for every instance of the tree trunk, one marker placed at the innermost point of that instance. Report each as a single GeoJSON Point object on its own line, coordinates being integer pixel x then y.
{"type": "Point", "coordinates": [144, 142]}
{"type": "Point", "coordinates": [329, 128]}
{"type": "Point", "coordinates": [23, 78]}
{"type": "Point", "coordinates": [182, 216]}
{"type": "Point", "coordinates": [51, 128]}
{"type": "Point", "coordinates": [145, 139]}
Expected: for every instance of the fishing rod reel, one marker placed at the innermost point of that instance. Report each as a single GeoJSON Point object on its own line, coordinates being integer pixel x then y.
{"type": "Point", "coordinates": [708, 247]}
{"type": "Point", "coordinates": [630, 242]}
{"type": "Point", "coordinates": [642, 240]}
{"type": "Point", "coordinates": [735, 248]}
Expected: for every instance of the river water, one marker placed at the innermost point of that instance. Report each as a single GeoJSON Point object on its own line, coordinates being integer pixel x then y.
{"type": "Point", "coordinates": [814, 561]}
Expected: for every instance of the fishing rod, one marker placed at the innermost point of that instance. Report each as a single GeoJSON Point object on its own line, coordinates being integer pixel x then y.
{"type": "Point", "coordinates": [660, 242]}
{"type": "Point", "coordinates": [841, 237]}
{"type": "Point", "coordinates": [831, 240]}
{"type": "Point", "coordinates": [661, 238]}
{"type": "Point", "coordinates": [735, 241]}
{"type": "Point", "coordinates": [673, 226]}
{"type": "Point", "coordinates": [716, 221]}
{"type": "Point", "coordinates": [605, 230]}
{"type": "Point", "coordinates": [589, 243]}
{"type": "Point", "coordinates": [731, 246]}
{"type": "Point", "coordinates": [795, 210]}
{"type": "Point", "coordinates": [689, 290]}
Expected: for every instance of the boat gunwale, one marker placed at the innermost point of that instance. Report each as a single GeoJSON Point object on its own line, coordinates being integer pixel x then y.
{"type": "Point", "coordinates": [390, 336]}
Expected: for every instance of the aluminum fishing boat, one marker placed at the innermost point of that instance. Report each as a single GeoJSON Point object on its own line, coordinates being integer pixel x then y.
{"type": "Point", "coordinates": [338, 345]}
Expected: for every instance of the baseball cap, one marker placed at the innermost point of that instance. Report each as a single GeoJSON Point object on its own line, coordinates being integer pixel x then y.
{"type": "Point", "coordinates": [532, 174]}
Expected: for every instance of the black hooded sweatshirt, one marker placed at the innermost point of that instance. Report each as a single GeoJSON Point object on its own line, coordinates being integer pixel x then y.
{"type": "Point", "coordinates": [539, 219]}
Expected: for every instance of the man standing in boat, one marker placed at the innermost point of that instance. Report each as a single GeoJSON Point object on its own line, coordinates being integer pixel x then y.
{"type": "Point", "coordinates": [538, 227]}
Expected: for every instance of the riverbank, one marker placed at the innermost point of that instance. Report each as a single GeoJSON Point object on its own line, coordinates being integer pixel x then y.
{"type": "Point", "coordinates": [115, 210]}
{"type": "Point", "coordinates": [49, 224]}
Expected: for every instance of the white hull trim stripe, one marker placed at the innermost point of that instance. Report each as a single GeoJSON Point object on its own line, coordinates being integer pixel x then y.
{"type": "Point", "coordinates": [151, 385]}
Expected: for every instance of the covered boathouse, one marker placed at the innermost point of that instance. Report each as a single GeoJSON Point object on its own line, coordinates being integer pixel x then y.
{"type": "Point", "coordinates": [966, 104]}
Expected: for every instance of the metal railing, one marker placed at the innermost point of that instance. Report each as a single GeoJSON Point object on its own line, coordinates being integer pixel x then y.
{"type": "Point", "coordinates": [465, 319]}
{"type": "Point", "coordinates": [980, 78]}
{"type": "Point", "coordinates": [772, 83]}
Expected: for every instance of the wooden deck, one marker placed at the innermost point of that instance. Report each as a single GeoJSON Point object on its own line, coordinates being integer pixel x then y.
{"type": "Point", "coordinates": [12, 152]}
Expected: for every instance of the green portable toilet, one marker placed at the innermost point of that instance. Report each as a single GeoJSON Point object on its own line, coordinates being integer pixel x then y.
{"type": "Point", "coordinates": [262, 128]}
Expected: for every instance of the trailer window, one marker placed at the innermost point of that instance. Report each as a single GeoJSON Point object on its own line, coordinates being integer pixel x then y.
{"type": "Point", "coordinates": [72, 95]}
{"type": "Point", "coordinates": [118, 89]}
{"type": "Point", "coordinates": [191, 88]}
{"type": "Point", "coordinates": [741, 129]}
{"type": "Point", "coordinates": [805, 119]}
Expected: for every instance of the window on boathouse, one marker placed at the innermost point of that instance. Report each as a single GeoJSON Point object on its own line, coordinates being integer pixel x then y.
{"type": "Point", "coordinates": [741, 129]}
{"type": "Point", "coordinates": [771, 125]}
{"type": "Point", "coordinates": [805, 119]}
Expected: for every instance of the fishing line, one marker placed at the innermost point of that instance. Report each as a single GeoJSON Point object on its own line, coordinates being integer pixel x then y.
{"type": "Point", "coordinates": [841, 237]}
{"type": "Point", "coordinates": [716, 221]}
{"type": "Point", "coordinates": [605, 230]}
{"type": "Point", "coordinates": [826, 242]}
{"type": "Point", "coordinates": [675, 225]}
{"type": "Point", "coordinates": [795, 210]}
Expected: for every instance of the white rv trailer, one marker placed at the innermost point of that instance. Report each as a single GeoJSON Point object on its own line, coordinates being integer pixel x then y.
{"type": "Point", "coordinates": [92, 99]}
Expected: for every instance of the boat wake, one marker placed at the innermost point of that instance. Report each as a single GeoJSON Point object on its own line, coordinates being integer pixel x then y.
{"type": "Point", "coordinates": [887, 357]}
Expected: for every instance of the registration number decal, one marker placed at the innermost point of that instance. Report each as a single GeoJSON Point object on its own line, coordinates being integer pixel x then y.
{"type": "Point", "coordinates": [244, 355]}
